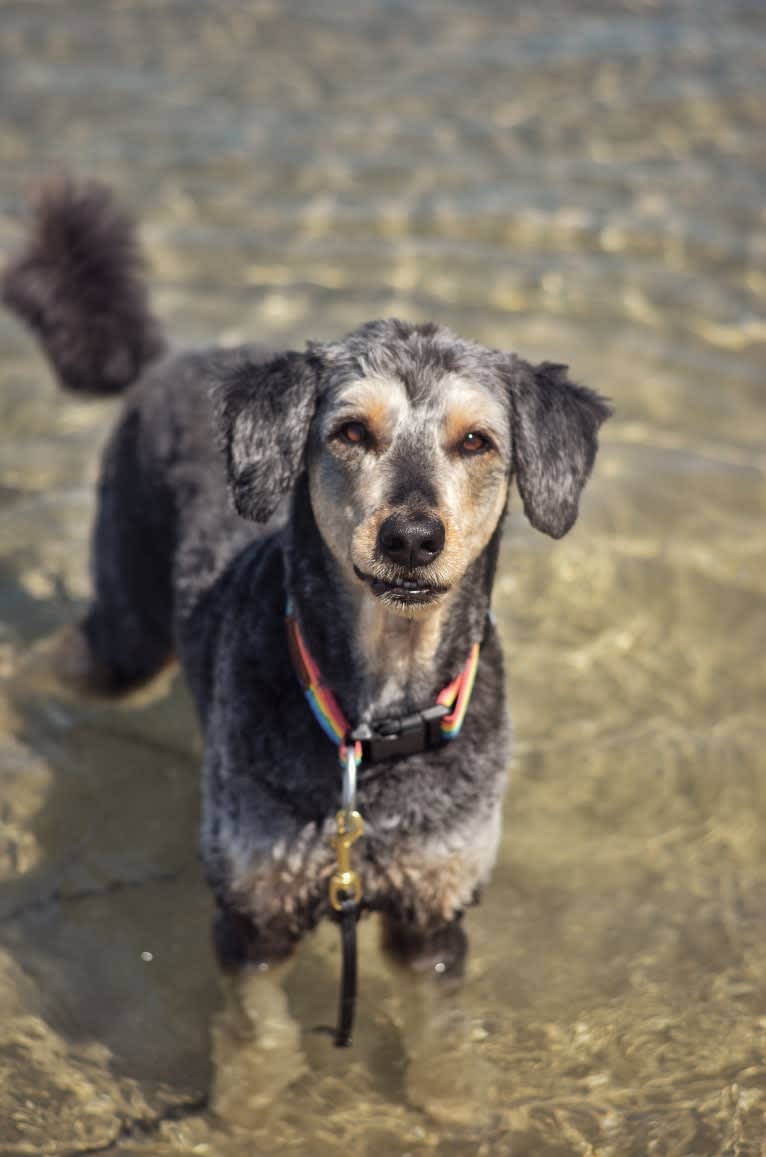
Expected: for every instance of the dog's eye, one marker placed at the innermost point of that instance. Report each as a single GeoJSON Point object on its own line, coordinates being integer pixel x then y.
{"type": "Point", "coordinates": [474, 443]}
{"type": "Point", "coordinates": [354, 433]}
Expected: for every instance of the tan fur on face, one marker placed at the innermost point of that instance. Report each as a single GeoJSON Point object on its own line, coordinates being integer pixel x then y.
{"type": "Point", "coordinates": [394, 653]}
{"type": "Point", "coordinates": [380, 403]}
{"type": "Point", "coordinates": [471, 408]}
{"type": "Point", "coordinates": [347, 484]}
{"type": "Point", "coordinates": [351, 490]}
{"type": "Point", "coordinates": [350, 486]}
{"type": "Point", "coordinates": [474, 491]}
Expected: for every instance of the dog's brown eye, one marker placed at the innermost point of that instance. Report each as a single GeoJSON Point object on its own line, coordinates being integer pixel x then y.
{"type": "Point", "coordinates": [355, 433]}
{"type": "Point", "coordinates": [474, 443]}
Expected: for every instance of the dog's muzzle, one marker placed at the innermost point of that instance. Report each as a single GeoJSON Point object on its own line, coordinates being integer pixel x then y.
{"type": "Point", "coordinates": [411, 591]}
{"type": "Point", "coordinates": [406, 545]}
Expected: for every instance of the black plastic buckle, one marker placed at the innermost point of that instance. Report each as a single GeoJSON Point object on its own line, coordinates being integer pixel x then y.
{"type": "Point", "coordinates": [406, 735]}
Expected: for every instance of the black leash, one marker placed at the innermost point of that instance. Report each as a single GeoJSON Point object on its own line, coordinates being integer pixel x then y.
{"type": "Point", "coordinates": [370, 744]}
{"type": "Point", "coordinates": [349, 915]}
{"type": "Point", "coordinates": [345, 895]}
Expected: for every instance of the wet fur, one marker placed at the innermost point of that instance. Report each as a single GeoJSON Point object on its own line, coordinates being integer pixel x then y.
{"type": "Point", "coordinates": [224, 490]}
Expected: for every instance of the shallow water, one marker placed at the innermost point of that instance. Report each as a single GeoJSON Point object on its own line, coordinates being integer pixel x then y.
{"type": "Point", "coordinates": [578, 182]}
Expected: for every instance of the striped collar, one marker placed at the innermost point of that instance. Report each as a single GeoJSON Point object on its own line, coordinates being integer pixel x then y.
{"type": "Point", "coordinates": [405, 735]}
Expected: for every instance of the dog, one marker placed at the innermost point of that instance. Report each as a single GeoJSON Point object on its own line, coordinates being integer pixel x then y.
{"type": "Point", "coordinates": [337, 509]}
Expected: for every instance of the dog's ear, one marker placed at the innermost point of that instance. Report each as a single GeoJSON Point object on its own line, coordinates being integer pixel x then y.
{"type": "Point", "coordinates": [555, 439]}
{"type": "Point", "coordinates": [264, 410]}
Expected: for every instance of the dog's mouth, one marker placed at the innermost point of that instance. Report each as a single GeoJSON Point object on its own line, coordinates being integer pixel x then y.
{"type": "Point", "coordinates": [408, 592]}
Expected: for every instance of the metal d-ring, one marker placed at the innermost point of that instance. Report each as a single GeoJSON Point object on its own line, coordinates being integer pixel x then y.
{"type": "Point", "coordinates": [349, 779]}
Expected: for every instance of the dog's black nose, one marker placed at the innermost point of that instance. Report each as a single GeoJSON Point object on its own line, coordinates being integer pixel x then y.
{"type": "Point", "coordinates": [411, 540]}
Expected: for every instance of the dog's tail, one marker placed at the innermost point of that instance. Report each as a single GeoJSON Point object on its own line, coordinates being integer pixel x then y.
{"type": "Point", "coordinates": [78, 285]}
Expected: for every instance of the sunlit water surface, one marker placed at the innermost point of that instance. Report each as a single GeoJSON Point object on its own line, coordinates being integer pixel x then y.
{"type": "Point", "coordinates": [577, 182]}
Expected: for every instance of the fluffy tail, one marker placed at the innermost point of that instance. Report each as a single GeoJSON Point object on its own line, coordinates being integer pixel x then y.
{"type": "Point", "coordinates": [78, 285]}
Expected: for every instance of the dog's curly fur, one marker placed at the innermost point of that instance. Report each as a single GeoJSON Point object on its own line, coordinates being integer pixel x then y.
{"type": "Point", "coordinates": [178, 567]}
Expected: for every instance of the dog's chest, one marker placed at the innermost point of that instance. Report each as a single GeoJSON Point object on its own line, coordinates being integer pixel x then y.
{"type": "Point", "coordinates": [432, 878]}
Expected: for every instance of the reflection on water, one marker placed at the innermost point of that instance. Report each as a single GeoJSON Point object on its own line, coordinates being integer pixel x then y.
{"type": "Point", "coordinates": [578, 182]}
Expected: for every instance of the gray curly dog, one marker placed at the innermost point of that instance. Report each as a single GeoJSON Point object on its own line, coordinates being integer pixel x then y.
{"type": "Point", "coordinates": [364, 481]}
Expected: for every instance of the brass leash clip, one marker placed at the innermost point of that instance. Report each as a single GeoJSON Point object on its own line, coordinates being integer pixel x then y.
{"type": "Point", "coordinates": [345, 883]}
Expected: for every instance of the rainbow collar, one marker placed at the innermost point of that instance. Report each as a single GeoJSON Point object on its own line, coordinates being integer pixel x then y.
{"type": "Point", "coordinates": [401, 736]}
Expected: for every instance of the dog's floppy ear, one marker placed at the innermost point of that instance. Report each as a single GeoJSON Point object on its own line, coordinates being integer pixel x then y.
{"type": "Point", "coordinates": [264, 409]}
{"type": "Point", "coordinates": [555, 439]}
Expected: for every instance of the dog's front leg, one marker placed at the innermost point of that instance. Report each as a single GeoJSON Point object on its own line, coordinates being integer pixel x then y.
{"type": "Point", "coordinates": [255, 1041]}
{"type": "Point", "coordinates": [445, 1076]}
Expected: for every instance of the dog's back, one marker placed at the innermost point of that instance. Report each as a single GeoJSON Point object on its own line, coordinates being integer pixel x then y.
{"type": "Point", "coordinates": [165, 527]}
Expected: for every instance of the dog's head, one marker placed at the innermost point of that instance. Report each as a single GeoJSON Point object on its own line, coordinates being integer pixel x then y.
{"type": "Point", "coordinates": [410, 437]}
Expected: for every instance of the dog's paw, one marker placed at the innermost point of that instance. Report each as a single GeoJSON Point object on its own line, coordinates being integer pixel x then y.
{"type": "Point", "coordinates": [446, 1076]}
{"type": "Point", "coordinates": [63, 665]}
{"type": "Point", "coordinates": [75, 667]}
{"type": "Point", "coordinates": [257, 1051]}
